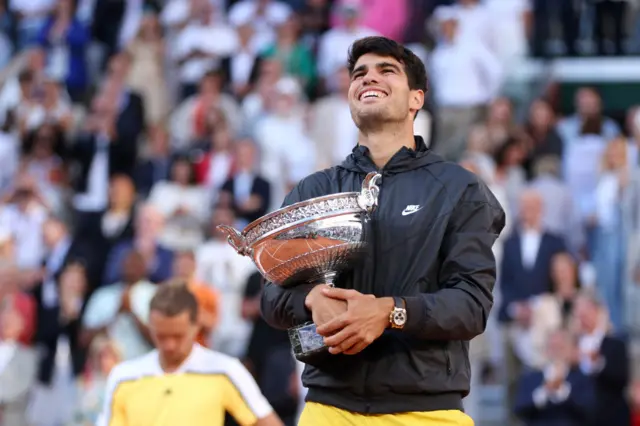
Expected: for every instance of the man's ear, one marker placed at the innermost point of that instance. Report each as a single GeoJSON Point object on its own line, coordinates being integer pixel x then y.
{"type": "Point", "coordinates": [416, 100]}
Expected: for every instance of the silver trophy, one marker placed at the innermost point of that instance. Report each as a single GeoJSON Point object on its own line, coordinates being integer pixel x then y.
{"type": "Point", "coordinates": [309, 242]}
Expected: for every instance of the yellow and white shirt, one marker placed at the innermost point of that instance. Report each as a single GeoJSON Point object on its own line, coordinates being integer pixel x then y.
{"type": "Point", "coordinates": [208, 384]}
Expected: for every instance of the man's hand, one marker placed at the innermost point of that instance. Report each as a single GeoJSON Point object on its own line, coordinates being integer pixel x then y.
{"type": "Point", "coordinates": [364, 321]}
{"type": "Point", "coordinates": [323, 308]}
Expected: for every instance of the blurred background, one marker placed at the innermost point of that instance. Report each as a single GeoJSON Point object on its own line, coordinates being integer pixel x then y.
{"type": "Point", "coordinates": [129, 129]}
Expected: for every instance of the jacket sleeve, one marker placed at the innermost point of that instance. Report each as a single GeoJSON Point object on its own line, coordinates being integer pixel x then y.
{"type": "Point", "coordinates": [285, 308]}
{"type": "Point", "coordinates": [459, 310]}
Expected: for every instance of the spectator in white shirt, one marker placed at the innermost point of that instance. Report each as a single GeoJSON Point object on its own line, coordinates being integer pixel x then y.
{"type": "Point", "coordinates": [466, 76]}
{"type": "Point", "coordinates": [201, 45]}
{"type": "Point", "coordinates": [218, 263]}
{"type": "Point", "coordinates": [334, 44]}
{"type": "Point", "coordinates": [287, 151]}
{"type": "Point", "coordinates": [24, 216]}
{"type": "Point", "coordinates": [264, 15]}
{"type": "Point", "coordinates": [510, 26]}
{"type": "Point", "coordinates": [121, 310]}
{"type": "Point", "coordinates": [475, 22]}
{"type": "Point", "coordinates": [184, 205]}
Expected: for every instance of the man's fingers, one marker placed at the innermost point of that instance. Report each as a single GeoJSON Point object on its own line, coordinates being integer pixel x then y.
{"type": "Point", "coordinates": [345, 343]}
{"type": "Point", "coordinates": [338, 338]}
{"type": "Point", "coordinates": [357, 348]}
{"type": "Point", "coordinates": [333, 326]}
{"type": "Point", "coordinates": [339, 293]}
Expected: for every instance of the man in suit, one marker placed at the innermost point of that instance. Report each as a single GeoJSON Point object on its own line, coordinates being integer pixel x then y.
{"type": "Point", "coordinates": [560, 394]}
{"type": "Point", "coordinates": [63, 250]}
{"type": "Point", "coordinates": [108, 146]}
{"type": "Point", "coordinates": [17, 369]}
{"type": "Point", "coordinates": [603, 357]}
{"type": "Point", "coordinates": [247, 193]}
{"type": "Point", "coordinates": [525, 272]}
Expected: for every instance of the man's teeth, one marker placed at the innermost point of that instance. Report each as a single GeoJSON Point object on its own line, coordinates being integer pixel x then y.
{"type": "Point", "coordinates": [373, 94]}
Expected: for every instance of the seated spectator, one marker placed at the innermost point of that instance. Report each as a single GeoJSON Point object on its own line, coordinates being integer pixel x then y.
{"type": "Point", "coordinates": [43, 160]}
{"type": "Point", "coordinates": [560, 214]}
{"type": "Point", "coordinates": [65, 39]}
{"type": "Point", "coordinates": [247, 193]}
{"type": "Point", "coordinates": [121, 311]}
{"type": "Point", "coordinates": [155, 167]}
{"type": "Point", "coordinates": [107, 229]}
{"type": "Point", "coordinates": [219, 265]}
{"type": "Point", "coordinates": [549, 311]}
{"type": "Point", "coordinates": [188, 121]}
{"type": "Point", "coordinates": [558, 394]}
{"type": "Point", "coordinates": [53, 109]}
{"type": "Point", "coordinates": [217, 163]}
{"type": "Point", "coordinates": [104, 354]}
{"type": "Point", "coordinates": [64, 357]}
{"type": "Point", "coordinates": [294, 55]}
{"type": "Point", "coordinates": [157, 259]}
{"type": "Point", "coordinates": [147, 75]}
{"type": "Point", "coordinates": [184, 267]}
{"type": "Point", "coordinates": [540, 127]}
{"type": "Point", "coordinates": [604, 357]}
{"type": "Point", "coordinates": [183, 204]}
{"type": "Point", "coordinates": [23, 213]}
{"type": "Point", "coordinates": [18, 368]}
{"type": "Point", "coordinates": [20, 302]}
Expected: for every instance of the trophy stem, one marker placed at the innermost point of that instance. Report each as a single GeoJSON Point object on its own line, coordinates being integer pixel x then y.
{"type": "Point", "coordinates": [327, 278]}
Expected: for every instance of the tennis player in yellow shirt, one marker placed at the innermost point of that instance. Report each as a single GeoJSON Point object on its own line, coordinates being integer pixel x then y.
{"type": "Point", "coordinates": [181, 382]}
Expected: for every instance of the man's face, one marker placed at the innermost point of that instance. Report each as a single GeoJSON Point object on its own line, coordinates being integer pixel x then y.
{"type": "Point", "coordinates": [173, 336]}
{"type": "Point", "coordinates": [133, 268]}
{"type": "Point", "coordinates": [379, 92]}
{"type": "Point", "coordinates": [589, 104]}
{"type": "Point", "coordinates": [586, 313]}
{"type": "Point", "coordinates": [184, 266]}
{"type": "Point", "coordinates": [530, 210]}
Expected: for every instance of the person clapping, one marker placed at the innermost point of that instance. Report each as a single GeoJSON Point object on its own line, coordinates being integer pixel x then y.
{"type": "Point", "coordinates": [560, 394]}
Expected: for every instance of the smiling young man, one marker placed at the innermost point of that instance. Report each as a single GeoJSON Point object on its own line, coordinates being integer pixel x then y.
{"type": "Point", "coordinates": [398, 326]}
{"type": "Point", "coordinates": [181, 382]}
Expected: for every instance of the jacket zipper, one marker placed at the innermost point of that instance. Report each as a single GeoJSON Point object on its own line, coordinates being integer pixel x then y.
{"type": "Point", "coordinates": [448, 358]}
{"type": "Point", "coordinates": [374, 233]}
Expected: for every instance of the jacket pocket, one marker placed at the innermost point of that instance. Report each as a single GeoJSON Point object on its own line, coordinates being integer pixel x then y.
{"type": "Point", "coordinates": [465, 353]}
{"type": "Point", "coordinates": [447, 358]}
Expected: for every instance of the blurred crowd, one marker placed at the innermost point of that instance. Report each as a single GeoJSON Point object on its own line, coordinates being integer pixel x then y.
{"type": "Point", "coordinates": [130, 129]}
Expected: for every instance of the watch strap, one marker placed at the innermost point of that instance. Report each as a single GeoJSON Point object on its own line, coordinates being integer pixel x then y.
{"type": "Point", "coordinates": [399, 302]}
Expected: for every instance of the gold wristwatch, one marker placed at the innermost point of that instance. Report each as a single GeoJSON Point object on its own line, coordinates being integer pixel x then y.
{"type": "Point", "coordinates": [398, 316]}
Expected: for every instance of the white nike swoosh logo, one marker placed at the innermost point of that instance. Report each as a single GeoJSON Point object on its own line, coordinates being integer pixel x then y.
{"type": "Point", "coordinates": [406, 212]}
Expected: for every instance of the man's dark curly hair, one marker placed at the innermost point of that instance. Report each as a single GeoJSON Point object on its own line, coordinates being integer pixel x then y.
{"type": "Point", "coordinates": [382, 46]}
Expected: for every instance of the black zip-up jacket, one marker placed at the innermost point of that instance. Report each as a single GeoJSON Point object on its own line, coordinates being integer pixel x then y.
{"type": "Point", "coordinates": [437, 256]}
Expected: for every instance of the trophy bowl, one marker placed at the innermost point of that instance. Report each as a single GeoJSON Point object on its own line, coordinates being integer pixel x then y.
{"type": "Point", "coordinates": [311, 241]}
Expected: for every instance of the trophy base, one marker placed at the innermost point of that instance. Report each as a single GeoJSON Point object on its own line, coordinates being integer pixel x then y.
{"type": "Point", "coordinates": [307, 344]}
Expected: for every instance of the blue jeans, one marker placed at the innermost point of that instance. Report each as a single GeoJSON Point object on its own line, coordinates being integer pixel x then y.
{"type": "Point", "coordinates": [609, 261]}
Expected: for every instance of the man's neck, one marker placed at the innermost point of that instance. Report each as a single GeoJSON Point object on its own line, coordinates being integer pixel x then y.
{"type": "Point", "coordinates": [173, 366]}
{"type": "Point", "coordinates": [385, 143]}
{"type": "Point", "coordinates": [531, 228]}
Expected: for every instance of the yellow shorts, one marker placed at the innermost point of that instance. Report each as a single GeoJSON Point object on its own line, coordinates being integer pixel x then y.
{"type": "Point", "coordinates": [315, 414]}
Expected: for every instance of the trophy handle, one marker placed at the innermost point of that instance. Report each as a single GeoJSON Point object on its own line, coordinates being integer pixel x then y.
{"type": "Point", "coordinates": [368, 198]}
{"type": "Point", "coordinates": [235, 239]}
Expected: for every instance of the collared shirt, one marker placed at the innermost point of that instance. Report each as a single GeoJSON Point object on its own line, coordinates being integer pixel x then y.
{"type": "Point", "coordinates": [529, 246]}
{"type": "Point", "coordinates": [206, 385]}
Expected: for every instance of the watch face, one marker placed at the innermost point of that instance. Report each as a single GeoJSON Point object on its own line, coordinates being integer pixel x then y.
{"type": "Point", "coordinates": [399, 317]}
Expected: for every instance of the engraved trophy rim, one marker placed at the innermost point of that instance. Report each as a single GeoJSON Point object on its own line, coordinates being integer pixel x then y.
{"type": "Point", "coordinates": [365, 201]}
{"type": "Point", "coordinates": [283, 210]}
